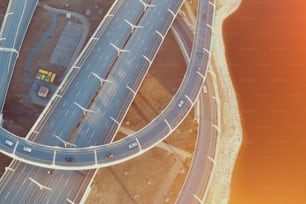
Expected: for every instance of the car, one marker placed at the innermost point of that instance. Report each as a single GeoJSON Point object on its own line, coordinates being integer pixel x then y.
{"type": "Point", "coordinates": [9, 143]}
{"type": "Point", "coordinates": [181, 103]}
{"type": "Point", "coordinates": [69, 159]}
{"type": "Point", "coordinates": [109, 155]}
{"type": "Point", "coordinates": [200, 54]}
{"type": "Point", "coordinates": [50, 171]}
{"type": "Point", "coordinates": [205, 89]}
{"type": "Point", "coordinates": [133, 145]}
{"type": "Point", "coordinates": [27, 149]}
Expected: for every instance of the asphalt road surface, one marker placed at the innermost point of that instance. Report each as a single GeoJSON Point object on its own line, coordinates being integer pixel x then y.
{"type": "Point", "coordinates": [201, 167]}
{"type": "Point", "coordinates": [13, 30]}
{"type": "Point", "coordinates": [154, 132]}
{"type": "Point", "coordinates": [13, 191]}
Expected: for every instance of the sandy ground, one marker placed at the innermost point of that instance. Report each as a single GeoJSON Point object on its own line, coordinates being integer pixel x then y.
{"type": "Point", "coordinates": [231, 136]}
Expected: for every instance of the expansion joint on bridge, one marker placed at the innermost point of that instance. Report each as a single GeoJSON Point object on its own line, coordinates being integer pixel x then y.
{"type": "Point", "coordinates": [85, 110]}
{"type": "Point", "coordinates": [16, 145]}
{"type": "Point", "coordinates": [9, 169]}
{"type": "Point", "coordinates": [115, 121]}
{"type": "Point", "coordinates": [216, 127]}
{"type": "Point", "coordinates": [129, 88]}
{"type": "Point", "coordinates": [100, 79]}
{"type": "Point", "coordinates": [206, 50]}
{"type": "Point", "coordinates": [140, 149]}
{"type": "Point", "coordinates": [198, 199]}
{"type": "Point", "coordinates": [75, 67]}
{"type": "Point", "coordinates": [110, 15]}
{"type": "Point", "coordinates": [211, 159]}
{"type": "Point", "coordinates": [7, 14]}
{"type": "Point", "coordinates": [54, 157]}
{"type": "Point", "coordinates": [161, 35]}
{"type": "Point", "coordinates": [66, 144]}
{"type": "Point", "coordinates": [168, 124]}
{"type": "Point", "coordinates": [96, 158]}
{"type": "Point", "coordinates": [146, 5]}
{"type": "Point", "coordinates": [133, 27]}
{"type": "Point", "coordinates": [209, 26]}
{"type": "Point", "coordinates": [212, 73]}
{"type": "Point", "coordinates": [5, 49]}
{"type": "Point", "coordinates": [70, 201]}
{"type": "Point", "coordinates": [201, 75]}
{"type": "Point", "coordinates": [212, 4]}
{"type": "Point", "coordinates": [40, 186]}
{"type": "Point", "coordinates": [147, 59]}
{"type": "Point", "coordinates": [118, 49]}
{"type": "Point", "coordinates": [1, 119]}
{"type": "Point", "coordinates": [217, 99]}
{"type": "Point", "coordinates": [172, 13]}
{"type": "Point", "coordinates": [188, 98]}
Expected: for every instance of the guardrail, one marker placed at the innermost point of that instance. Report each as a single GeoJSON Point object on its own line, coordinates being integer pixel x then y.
{"type": "Point", "coordinates": [161, 35]}
{"type": "Point", "coordinates": [197, 70]}
{"type": "Point", "coordinates": [216, 124]}
{"type": "Point", "coordinates": [219, 130]}
{"type": "Point", "coordinates": [72, 71]}
{"type": "Point", "coordinates": [14, 49]}
{"type": "Point", "coordinates": [218, 127]}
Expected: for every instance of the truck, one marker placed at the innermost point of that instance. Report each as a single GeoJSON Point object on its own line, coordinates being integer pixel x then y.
{"type": "Point", "coordinates": [45, 75]}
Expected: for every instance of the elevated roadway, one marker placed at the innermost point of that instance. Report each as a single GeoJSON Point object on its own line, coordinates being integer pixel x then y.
{"type": "Point", "coordinates": [55, 181]}
{"type": "Point", "coordinates": [163, 125]}
{"type": "Point", "coordinates": [47, 200]}
{"type": "Point", "coordinates": [198, 179]}
{"type": "Point", "coordinates": [12, 33]}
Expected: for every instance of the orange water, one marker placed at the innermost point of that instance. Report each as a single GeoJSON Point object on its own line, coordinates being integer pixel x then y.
{"type": "Point", "coordinates": [266, 52]}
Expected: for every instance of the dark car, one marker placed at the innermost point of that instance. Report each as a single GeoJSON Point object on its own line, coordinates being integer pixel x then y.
{"type": "Point", "coordinates": [200, 54]}
{"type": "Point", "coordinates": [69, 159]}
{"type": "Point", "coordinates": [109, 155]}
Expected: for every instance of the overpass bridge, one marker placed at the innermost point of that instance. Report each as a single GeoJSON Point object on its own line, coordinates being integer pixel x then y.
{"type": "Point", "coordinates": [15, 23]}
{"type": "Point", "coordinates": [91, 157]}
{"type": "Point", "coordinates": [20, 168]}
{"type": "Point", "coordinates": [208, 114]}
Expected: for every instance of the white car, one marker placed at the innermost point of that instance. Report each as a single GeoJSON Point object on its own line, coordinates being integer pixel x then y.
{"type": "Point", "coordinates": [8, 142]}
{"type": "Point", "coordinates": [205, 89]}
{"type": "Point", "coordinates": [27, 149]}
{"type": "Point", "coordinates": [133, 145]}
{"type": "Point", "coordinates": [180, 104]}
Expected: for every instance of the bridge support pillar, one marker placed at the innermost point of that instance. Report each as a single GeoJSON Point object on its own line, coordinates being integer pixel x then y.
{"type": "Point", "coordinates": [196, 109]}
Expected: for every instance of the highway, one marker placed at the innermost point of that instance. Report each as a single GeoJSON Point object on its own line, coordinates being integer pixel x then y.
{"type": "Point", "coordinates": [33, 194]}
{"type": "Point", "coordinates": [184, 36]}
{"type": "Point", "coordinates": [196, 183]}
{"type": "Point", "coordinates": [163, 125]}
{"type": "Point", "coordinates": [86, 85]}
{"type": "Point", "coordinates": [12, 33]}
{"type": "Point", "coordinates": [19, 148]}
